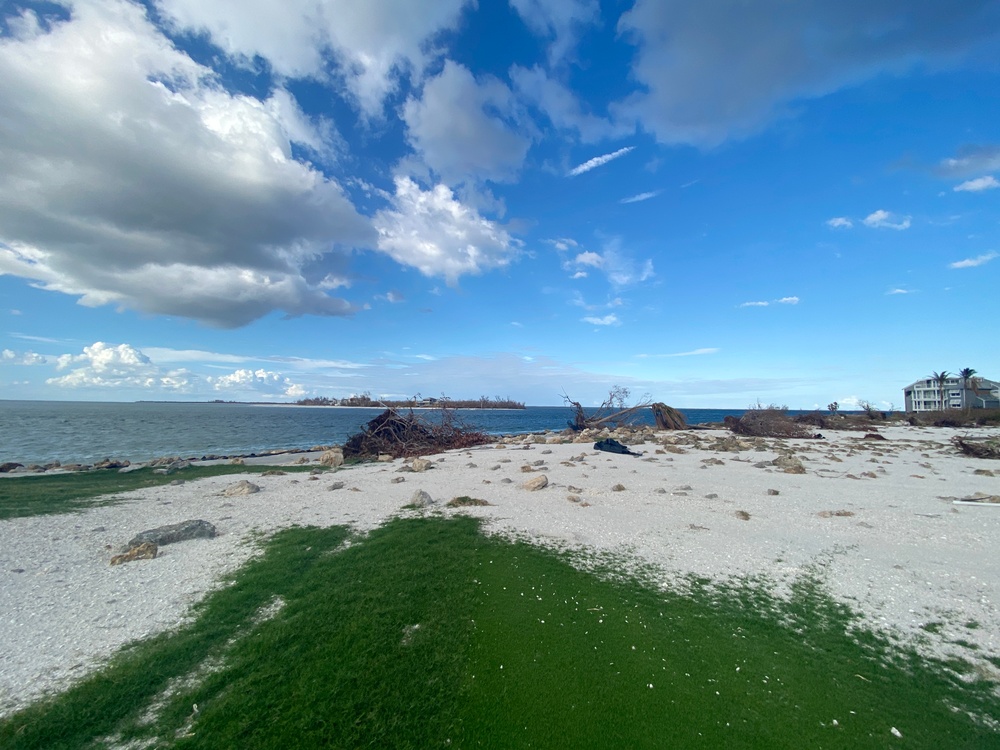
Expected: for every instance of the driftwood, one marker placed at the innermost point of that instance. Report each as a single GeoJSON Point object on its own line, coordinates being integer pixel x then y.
{"type": "Point", "coordinates": [978, 448]}
{"type": "Point", "coordinates": [398, 435]}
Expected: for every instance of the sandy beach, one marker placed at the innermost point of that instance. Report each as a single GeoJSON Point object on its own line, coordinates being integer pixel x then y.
{"type": "Point", "coordinates": [874, 519]}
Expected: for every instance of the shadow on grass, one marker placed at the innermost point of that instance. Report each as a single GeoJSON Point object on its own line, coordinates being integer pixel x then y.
{"type": "Point", "coordinates": [428, 633]}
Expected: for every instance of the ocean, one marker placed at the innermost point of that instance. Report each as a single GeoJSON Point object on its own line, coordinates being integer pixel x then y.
{"type": "Point", "coordinates": [39, 432]}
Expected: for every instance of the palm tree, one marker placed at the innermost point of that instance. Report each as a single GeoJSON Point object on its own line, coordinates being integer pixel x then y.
{"type": "Point", "coordinates": [966, 374]}
{"type": "Point", "coordinates": [940, 378]}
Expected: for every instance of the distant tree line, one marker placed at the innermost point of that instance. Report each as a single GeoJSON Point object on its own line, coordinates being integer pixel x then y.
{"type": "Point", "coordinates": [417, 401]}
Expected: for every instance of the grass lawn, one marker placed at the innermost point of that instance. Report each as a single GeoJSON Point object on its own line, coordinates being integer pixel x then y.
{"type": "Point", "coordinates": [41, 494]}
{"type": "Point", "coordinates": [428, 633]}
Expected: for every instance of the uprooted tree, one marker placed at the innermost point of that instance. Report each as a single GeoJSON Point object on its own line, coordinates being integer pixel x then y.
{"type": "Point", "coordinates": [404, 434]}
{"type": "Point", "coordinates": [614, 410]}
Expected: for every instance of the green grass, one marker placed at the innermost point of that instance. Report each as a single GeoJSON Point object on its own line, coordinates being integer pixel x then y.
{"type": "Point", "coordinates": [36, 495]}
{"type": "Point", "coordinates": [427, 633]}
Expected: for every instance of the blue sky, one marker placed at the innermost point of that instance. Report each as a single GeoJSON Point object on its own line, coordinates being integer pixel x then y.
{"type": "Point", "coordinates": [715, 203]}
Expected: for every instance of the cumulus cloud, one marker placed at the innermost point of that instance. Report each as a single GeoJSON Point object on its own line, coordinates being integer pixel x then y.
{"type": "Point", "coordinates": [154, 189]}
{"type": "Point", "coordinates": [557, 20]}
{"type": "Point", "coordinates": [464, 129]}
{"type": "Point", "coordinates": [432, 231]}
{"type": "Point", "coordinates": [562, 106]}
{"type": "Point", "coordinates": [598, 161]}
{"type": "Point", "coordinates": [258, 381]}
{"type": "Point", "coordinates": [710, 71]}
{"type": "Point", "coordinates": [374, 43]}
{"type": "Point", "coordinates": [971, 159]}
{"type": "Point", "coordinates": [989, 182]}
{"type": "Point", "coordinates": [839, 222]}
{"type": "Point", "coordinates": [882, 219]}
{"type": "Point", "coordinates": [22, 358]}
{"type": "Point", "coordinates": [102, 365]}
{"type": "Point", "coordinates": [979, 260]}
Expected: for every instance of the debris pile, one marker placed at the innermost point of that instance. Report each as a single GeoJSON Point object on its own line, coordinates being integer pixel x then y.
{"type": "Point", "coordinates": [399, 435]}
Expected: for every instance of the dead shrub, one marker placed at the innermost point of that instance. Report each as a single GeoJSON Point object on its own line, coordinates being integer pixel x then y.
{"type": "Point", "coordinates": [767, 421]}
{"type": "Point", "coordinates": [402, 435]}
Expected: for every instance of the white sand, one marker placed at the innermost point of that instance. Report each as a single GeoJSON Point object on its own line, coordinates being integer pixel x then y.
{"type": "Point", "coordinates": [907, 556]}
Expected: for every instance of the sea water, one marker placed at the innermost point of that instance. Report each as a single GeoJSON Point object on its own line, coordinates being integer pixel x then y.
{"type": "Point", "coordinates": [84, 432]}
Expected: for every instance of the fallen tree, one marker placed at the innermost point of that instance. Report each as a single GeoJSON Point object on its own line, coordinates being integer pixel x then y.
{"type": "Point", "coordinates": [398, 435]}
{"type": "Point", "coordinates": [612, 411]}
{"type": "Point", "coordinates": [983, 448]}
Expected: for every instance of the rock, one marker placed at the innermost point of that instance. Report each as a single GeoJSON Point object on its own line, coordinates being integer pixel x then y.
{"type": "Point", "coordinates": [336, 486]}
{"type": "Point", "coordinates": [242, 487]}
{"type": "Point", "coordinates": [332, 458]}
{"type": "Point", "coordinates": [10, 466]}
{"type": "Point", "coordinates": [618, 488]}
{"type": "Point", "coordinates": [173, 533]}
{"type": "Point", "coordinates": [397, 480]}
{"type": "Point", "coordinates": [537, 483]}
{"type": "Point", "coordinates": [385, 458]}
{"type": "Point", "coordinates": [108, 463]}
{"type": "Point", "coordinates": [873, 436]}
{"type": "Point", "coordinates": [238, 462]}
{"type": "Point", "coordinates": [773, 492]}
{"type": "Point", "coordinates": [789, 464]}
{"type": "Point", "coordinates": [421, 499]}
{"type": "Point", "coordinates": [144, 551]}
{"type": "Point", "coordinates": [421, 464]}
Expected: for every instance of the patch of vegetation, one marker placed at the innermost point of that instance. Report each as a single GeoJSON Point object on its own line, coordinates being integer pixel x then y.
{"type": "Point", "coordinates": [427, 633]}
{"type": "Point", "coordinates": [465, 501]}
{"type": "Point", "coordinates": [767, 421]}
{"type": "Point", "coordinates": [44, 494]}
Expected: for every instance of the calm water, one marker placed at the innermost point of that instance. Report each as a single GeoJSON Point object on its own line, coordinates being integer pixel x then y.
{"type": "Point", "coordinates": [71, 431]}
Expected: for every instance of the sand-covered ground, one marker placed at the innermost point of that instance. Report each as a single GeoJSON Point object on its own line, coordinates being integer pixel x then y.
{"type": "Point", "coordinates": [874, 519]}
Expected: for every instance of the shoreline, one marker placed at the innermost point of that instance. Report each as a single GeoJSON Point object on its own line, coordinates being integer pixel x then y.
{"type": "Point", "coordinates": [874, 520]}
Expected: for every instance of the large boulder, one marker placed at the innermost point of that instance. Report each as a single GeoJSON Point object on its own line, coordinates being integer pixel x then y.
{"type": "Point", "coordinates": [173, 533]}
{"type": "Point", "coordinates": [332, 458]}
{"type": "Point", "coordinates": [242, 487]}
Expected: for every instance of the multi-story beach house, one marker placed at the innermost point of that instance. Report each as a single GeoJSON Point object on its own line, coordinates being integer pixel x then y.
{"type": "Point", "coordinates": [975, 393]}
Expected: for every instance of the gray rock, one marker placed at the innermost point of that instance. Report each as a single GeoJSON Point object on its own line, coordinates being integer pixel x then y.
{"type": "Point", "coordinates": [172, 533]}
{"type": "Point", "coordinates": [537, 483]}
{"type": "Point", "coordinates": [421, 499]}
{"type": "Point", "coordinates": [242, 487]}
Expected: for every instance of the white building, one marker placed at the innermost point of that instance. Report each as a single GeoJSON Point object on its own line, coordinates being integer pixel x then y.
{"type": "Point", "coordinates": [977, 393]}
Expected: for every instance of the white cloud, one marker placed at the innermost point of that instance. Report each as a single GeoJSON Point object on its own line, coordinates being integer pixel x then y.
{"type": "Point", "coordinates": [433, 232]}
{"type": "Point", "coordinates": [839, 222]}
{"type": "Point", "coordinates": [23, 358]}
{"type": "Point", "coordinates": [971, 158]}
{"type": "Point", "coordinates": [882, 219]}
{"type": "Point", "coordinates": [640, 197]}
{"type": "Point", "coordinates": [258, 381]}
{"type": "Point", "coordinates": [102, 365]}
{"type": "Point", "coordinates": [463, 128]}
{"type": "Point", "coordinates": [607, 320]}
{"type": "Point", "coordinates": [898, 290]}
{"type": "Point", "coordinates": [781, 301]}
{"type": "Point", "coordinates": [973, 262]}
{"type": "Point", "coordinates": [562, 106]}
{"type": "Point", "coordinates": [713, 70]}
{"type": "Point", "coordinates": [374, 43]}
{"type": "Point", "coordinates": [558, 20]}
{"type": "Point", "coordinates": [692, 353]}
{"type": "Point", "coordinates": [108, 201]}
{"type": "Point", "coordinates": [620, 269]}
{"type": "Point", "coordinates": [597, 161]}
{"type": "Point", "coordinates": [989, 182]}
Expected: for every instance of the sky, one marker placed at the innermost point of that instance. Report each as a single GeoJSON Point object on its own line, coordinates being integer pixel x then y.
{"type": "Point", "coordinates": [713, 203]}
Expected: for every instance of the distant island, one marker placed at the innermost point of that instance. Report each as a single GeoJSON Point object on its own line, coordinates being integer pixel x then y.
{"type": "Point", "coordinates": [365, 399]}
